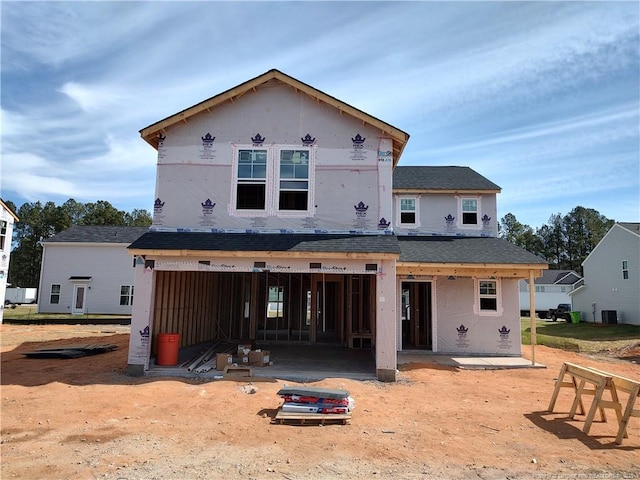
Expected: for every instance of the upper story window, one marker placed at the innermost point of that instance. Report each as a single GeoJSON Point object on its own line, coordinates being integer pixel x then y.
{"type": "Point", "coordinates": [469, 211]}
{"type": "Point", "coordinates": [294, 180]}
{"type": "Point", "coordinates": [407, 211]}
{"type": "Point", "coordinates": [3, 233]}
{"type": "Point", "coordinates": [539, 288]}
{"type": "Point", "coordinates": [252, 180]}
{"type": "Point", "coordinates": [273, 181]}
{"type": "Point", "coordinates": [625, 270]}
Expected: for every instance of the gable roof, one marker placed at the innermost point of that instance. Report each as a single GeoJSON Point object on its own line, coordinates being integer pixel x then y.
{"type": "Point", "coordinates": [628, 227]}
{"type": "Point", "coordinates": [4, 205]}
{"type": "Point", "coordinates": [421, 178]}
{"type": "Point", "coordinates": [267, 242]}
{"type": "Point", "coordinates": [98, 234]}
{"type": "Point", "coordinates": [400, 138]}
{"type": "Point", "coordinates": [557, 277]}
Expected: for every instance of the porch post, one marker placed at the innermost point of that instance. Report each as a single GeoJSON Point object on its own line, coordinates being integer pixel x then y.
{"type": "Point", "coordinates": [386, 342]}
{"type": "Point", "coordinates": [532, 314]}
{"type": "Point", "coordinates": [141, 320]}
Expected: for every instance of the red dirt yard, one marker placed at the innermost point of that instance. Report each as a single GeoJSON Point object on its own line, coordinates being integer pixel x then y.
{"type": "Point", "coordinates": [85, 419]}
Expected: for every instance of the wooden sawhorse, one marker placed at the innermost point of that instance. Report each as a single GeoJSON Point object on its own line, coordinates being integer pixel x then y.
{"type": "Point", "coordinates": [600, 382]}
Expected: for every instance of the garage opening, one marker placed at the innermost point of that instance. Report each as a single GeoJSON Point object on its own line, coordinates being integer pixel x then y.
{"type": "Point", "coordinates": [266, 307]}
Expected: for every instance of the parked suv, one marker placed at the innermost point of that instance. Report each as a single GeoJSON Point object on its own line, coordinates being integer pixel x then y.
{"type": "Point", "coordinates": [562, 311]}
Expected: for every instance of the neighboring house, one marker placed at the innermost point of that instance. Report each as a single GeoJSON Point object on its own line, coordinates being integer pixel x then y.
{"type": "Point", "coordinates": [7, 219]}
{"type": "Point", "coordinates": [551, 289]}
{"type": "Point", "coordinates": [87, 270]}
{"type": "Point", "coordinates": [279, 217]}
{"type": "Point", "coordinates": [610, 291]}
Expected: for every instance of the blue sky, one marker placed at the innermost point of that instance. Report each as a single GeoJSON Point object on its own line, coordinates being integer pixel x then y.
{"type": "Point", "coordinates": [540, 97]}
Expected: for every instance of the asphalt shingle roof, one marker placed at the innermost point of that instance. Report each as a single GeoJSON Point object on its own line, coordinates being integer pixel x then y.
{"type": "Point", "coordinates": [560, 277]}
{"type": "Point", "coordinates": [98, 234]}
{"type": "Point", "coordinates": [237, 242]}
{"type": "Point", "coordinates": [440, 178]}
{"type": "Point", "coordinates": [464, 250]}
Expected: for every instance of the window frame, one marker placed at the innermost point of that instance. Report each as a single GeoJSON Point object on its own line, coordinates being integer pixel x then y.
{"type": "Point", "coordinates": [625, 269]}
{"type": "Point", "coordinates": [4, 225]}
{"type": "Point", "coordinates": [126, 296]}
{"type": "Point", "coordinates": [478, 296]}
{"type": "Point", "coordinates": [53, 294]}
{"type": "Point", "coordinates": [461, 212]}
{"type": "Point", "coordinates": [416, 210]}
{"type": "Point", "coordinates": [278, 179]}
{"type": "Point", "coordinates": [237, 181]}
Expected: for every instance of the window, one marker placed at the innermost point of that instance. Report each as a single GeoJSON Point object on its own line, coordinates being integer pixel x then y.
{"type": "Point", "coordinates": [488, 295]}
{"type": "Point", "coordinates": [625, 270]}
{"type": "Point", "coordinates": [294, 180]}
{"type": "Point", "coordinates": [3, 233]}
{"type": "Point", "coordinates": [276, 181]}
{"type": "Point", "coordinates": [539, 288]}
{"type": "Point", "coordinates": [469, 211]}
{"type": "Point", "coordinates": [407, 211]}
{"type": "Point", "coordinates": [252, 180]}
{"type": "Point", "coordinates": [126, 295]}
{"type": "Point", "coordinates": [275, 308]}
{"type": "Point", "coordinates": [55, 294]}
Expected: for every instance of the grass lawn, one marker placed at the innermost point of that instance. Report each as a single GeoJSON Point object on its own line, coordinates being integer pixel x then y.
{"type": "Point", "coordinates": [581, 337]}
{"type": "Point", "coordinates": [27, 313]}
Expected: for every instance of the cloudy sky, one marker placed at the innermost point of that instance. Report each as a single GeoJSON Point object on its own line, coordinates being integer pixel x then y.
{"type": "Point", "coordinates": [540, 97]}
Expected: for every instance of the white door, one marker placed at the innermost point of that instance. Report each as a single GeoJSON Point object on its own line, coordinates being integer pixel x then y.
{"type": "Point", "coordinates": [79, 293]}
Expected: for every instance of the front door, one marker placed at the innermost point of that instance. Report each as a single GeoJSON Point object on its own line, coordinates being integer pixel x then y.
{"type": "Point", "coordinates": [416, 315]}
{"type": "Point", "coordinates": [79, 293]}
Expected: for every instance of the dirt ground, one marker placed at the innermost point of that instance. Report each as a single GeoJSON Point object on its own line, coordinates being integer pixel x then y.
{"type": "Point", "coordinates": [85, 419]}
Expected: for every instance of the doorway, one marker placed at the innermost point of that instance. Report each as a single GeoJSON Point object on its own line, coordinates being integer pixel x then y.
{"type": "Point", "coordinates": [79, 293]}
{"type": "Point", "coordinates": [417, 331]}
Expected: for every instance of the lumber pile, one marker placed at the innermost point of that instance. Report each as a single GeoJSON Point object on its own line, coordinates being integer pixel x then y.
{"type": "Point", "coordinates": [314, 404]}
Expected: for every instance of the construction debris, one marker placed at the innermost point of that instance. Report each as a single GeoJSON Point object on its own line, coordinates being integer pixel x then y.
{"type": "Point", "coordinates": [71, 351]}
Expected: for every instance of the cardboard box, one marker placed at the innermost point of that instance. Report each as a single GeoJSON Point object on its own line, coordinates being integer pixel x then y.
{"type": "Point", "coordinates": [244, 360]}
{"type": "Point", "coordinates": [244, 349]}
{"type": "Point", "coordinates": [259, 358]}
{"type": "Point", "coordinates": [222, 360]}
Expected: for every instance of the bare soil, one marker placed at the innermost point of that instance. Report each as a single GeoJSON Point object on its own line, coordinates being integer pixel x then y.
{"type": "Point", "coordinates": [85, 419]}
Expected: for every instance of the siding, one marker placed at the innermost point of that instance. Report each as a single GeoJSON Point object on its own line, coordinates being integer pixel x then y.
{"type": "Point", "coordinates": [109, 266]}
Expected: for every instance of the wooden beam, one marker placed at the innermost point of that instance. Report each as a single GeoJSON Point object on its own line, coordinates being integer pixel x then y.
{"type": "Point", "coordinates": [265, 254]}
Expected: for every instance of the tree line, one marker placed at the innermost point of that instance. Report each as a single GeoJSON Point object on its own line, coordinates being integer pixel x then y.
{"type": "Point", "coordinates": [565, 241]}
{"type": "Point", "coordinates": [39, 222]}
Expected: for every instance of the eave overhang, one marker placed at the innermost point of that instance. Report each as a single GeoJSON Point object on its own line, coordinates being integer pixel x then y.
{"type": "Point", "coordinates": [470, 269]}
{"type": "Point", "coordinates": [154, 253]}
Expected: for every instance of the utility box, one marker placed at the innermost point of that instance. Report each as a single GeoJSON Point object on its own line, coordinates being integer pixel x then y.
{"type": "Point", "coordinates": [609, 316]}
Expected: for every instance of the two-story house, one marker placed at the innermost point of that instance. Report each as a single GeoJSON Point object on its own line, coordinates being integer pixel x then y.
{"type": "Point", "coordinates": [7, 220]}
{"type": "Point", "coordinates": [274, 219]}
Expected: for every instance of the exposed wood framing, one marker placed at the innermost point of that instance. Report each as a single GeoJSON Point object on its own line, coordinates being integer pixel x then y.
{"type": "Point", "coordinates": [469, 269]}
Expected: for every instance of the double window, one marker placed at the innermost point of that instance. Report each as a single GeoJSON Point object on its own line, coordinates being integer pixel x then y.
{"type": "Point", "coordinates": [273, 181]}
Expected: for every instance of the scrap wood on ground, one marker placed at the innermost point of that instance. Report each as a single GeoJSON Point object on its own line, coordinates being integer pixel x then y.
{"type": "Point", "coordinates": [71, 351]}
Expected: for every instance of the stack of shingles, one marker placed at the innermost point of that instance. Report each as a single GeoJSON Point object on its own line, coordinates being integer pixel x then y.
{"type": "Point", "coordinates": [316, 400]}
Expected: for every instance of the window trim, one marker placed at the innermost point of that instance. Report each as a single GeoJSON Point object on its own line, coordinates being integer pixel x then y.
{"type": "Point", "coordinates": [310, 210]}
{"type": "Point", "coordinates": [416, 211]}
{"type": "Point", "coordinates": [625, 269]}
{"type": "Point", "coordinates": [478, 200]}
{"type": "Point", "coordinates": [477, 296]}
{"type": "Point", "coordinates": [4, 225]}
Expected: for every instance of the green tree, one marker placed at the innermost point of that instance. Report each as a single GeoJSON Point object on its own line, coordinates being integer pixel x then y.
{"type": "Point", "coordinates": [518, 234]}
{"type": "Point", "coordinates": [102, 213]}
{"type": "Point", "coordinates": [138, 218]}
{"type": "Point", "coordinates": [37, 223]}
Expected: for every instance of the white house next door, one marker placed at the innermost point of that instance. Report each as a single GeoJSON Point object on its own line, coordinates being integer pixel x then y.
{"type": "Point", "coordinates": [79, 294]}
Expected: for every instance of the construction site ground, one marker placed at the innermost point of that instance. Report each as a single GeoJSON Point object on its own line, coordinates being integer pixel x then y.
{"type": "Point", "coordinates": [83, 418]}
